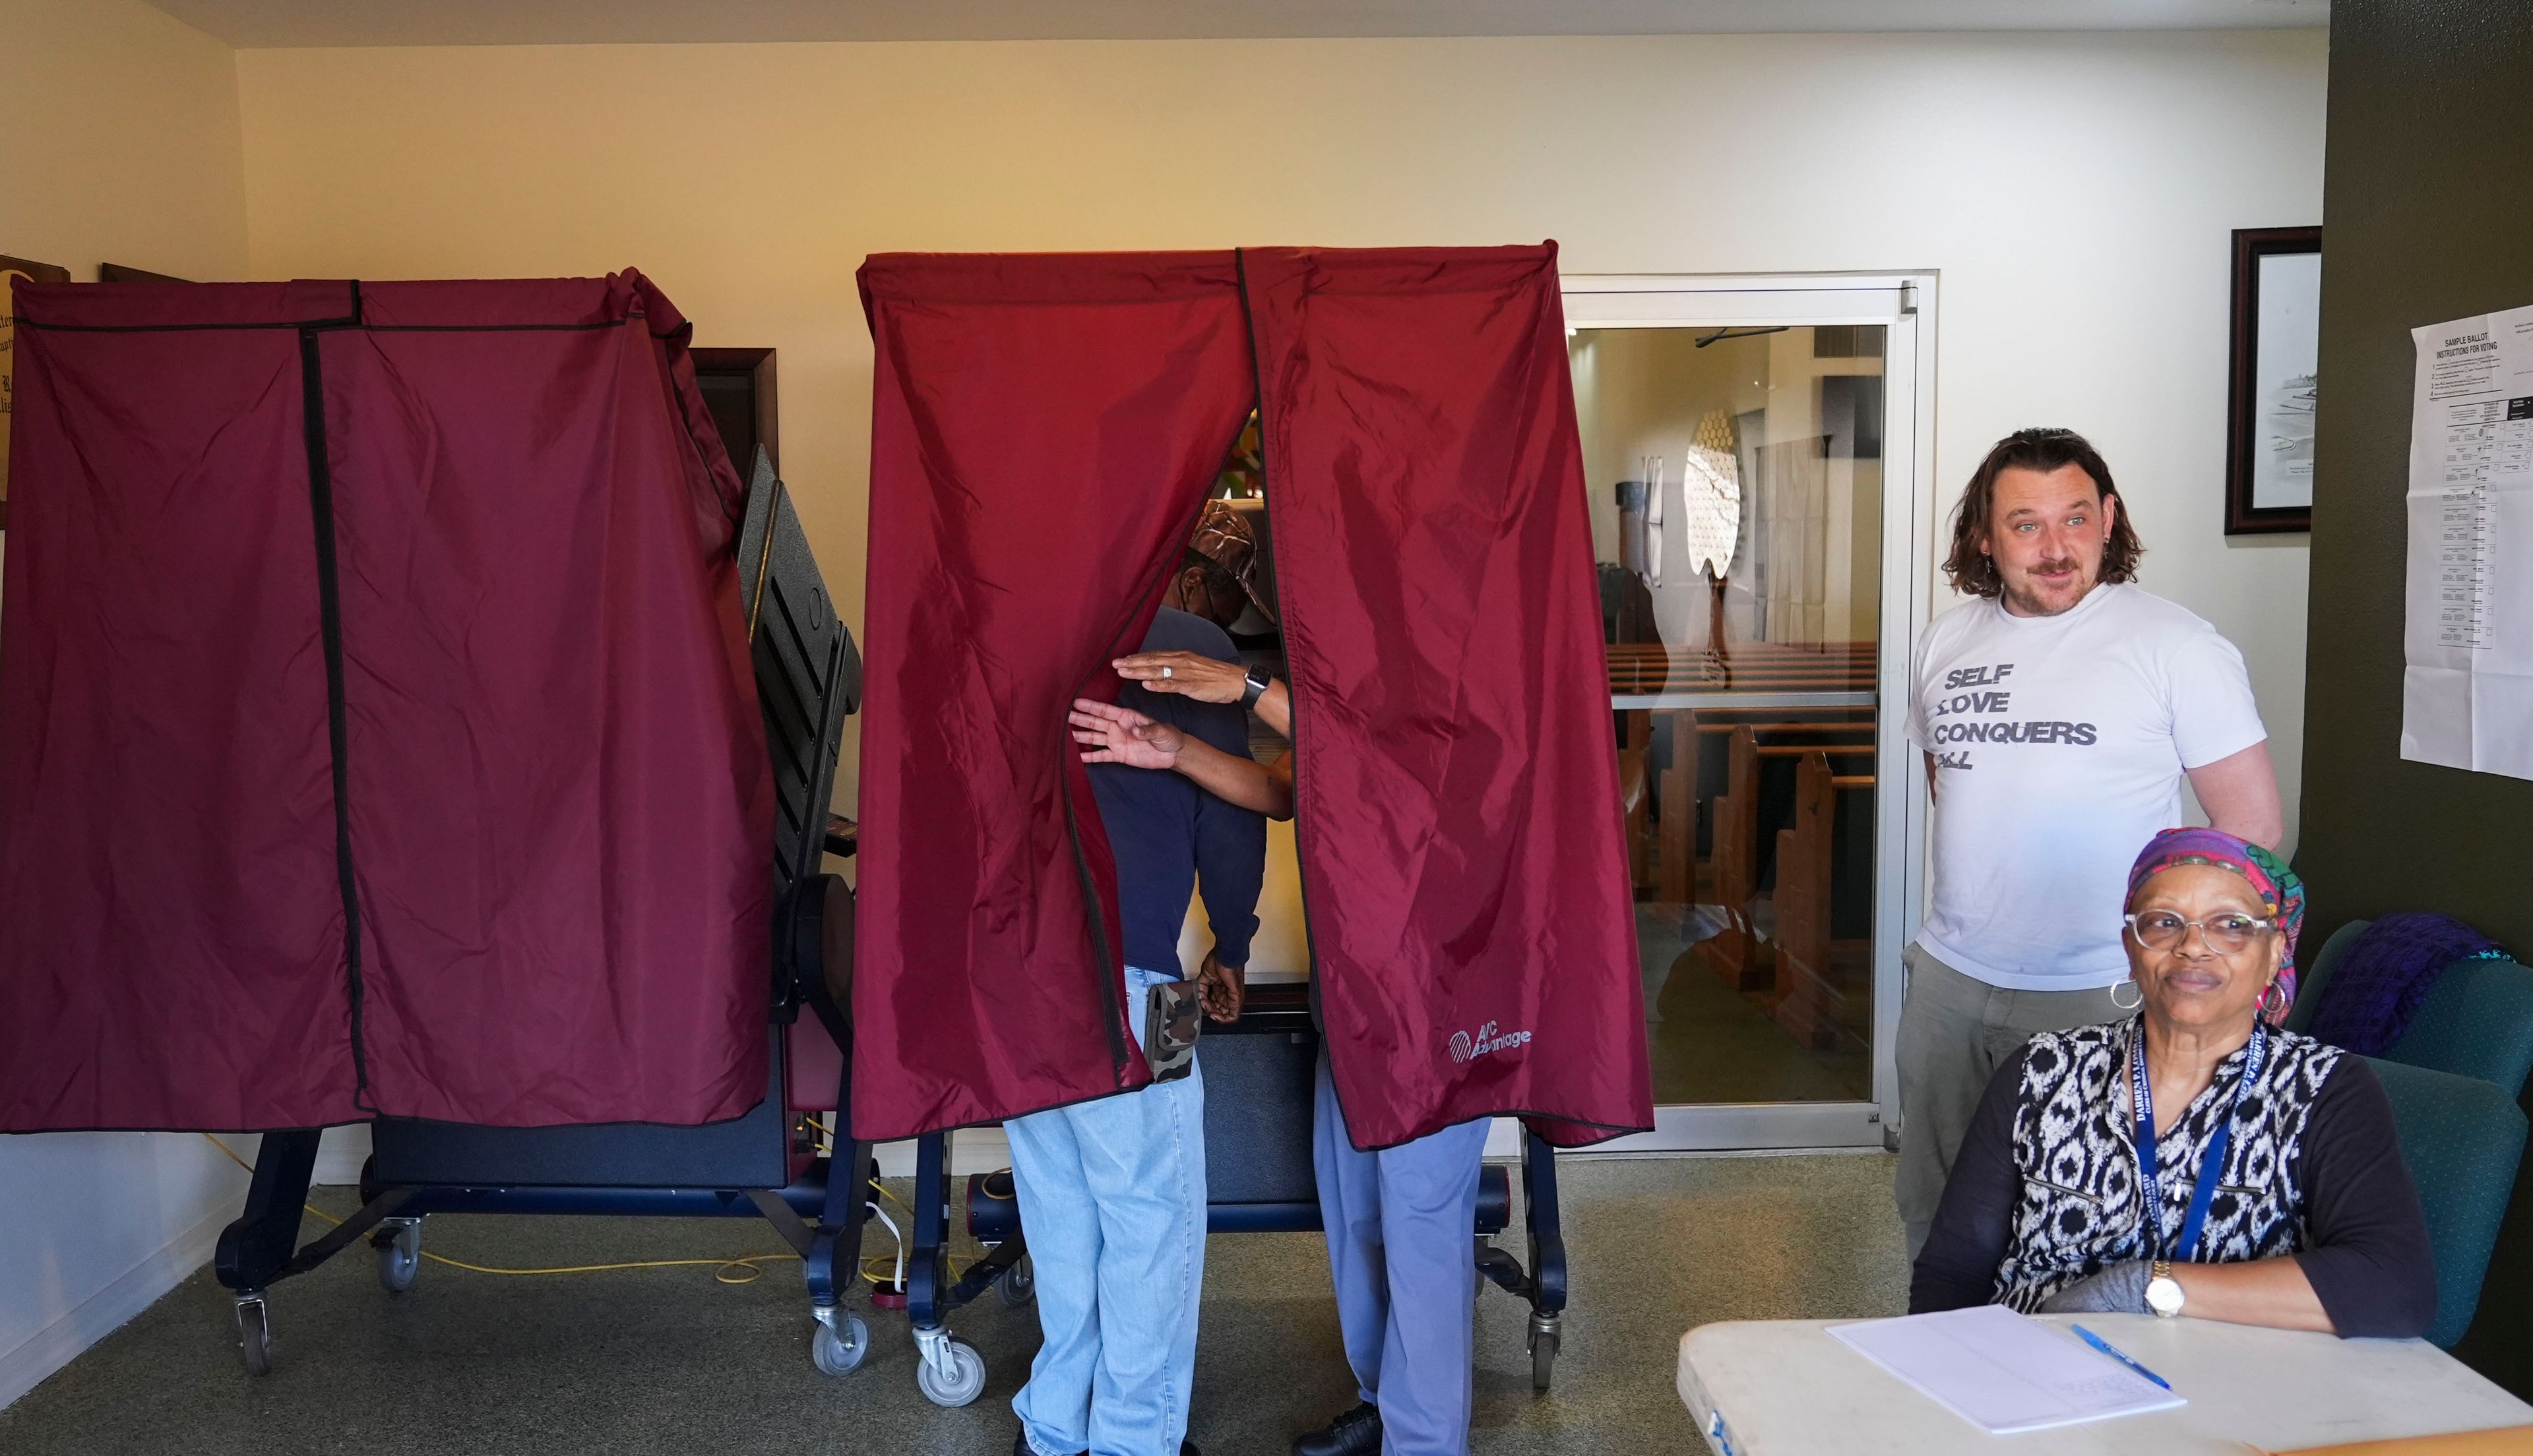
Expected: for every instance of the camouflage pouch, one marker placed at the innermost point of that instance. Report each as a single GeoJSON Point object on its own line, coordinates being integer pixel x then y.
{"type": "Point", "coordinates": [1172, 1016]}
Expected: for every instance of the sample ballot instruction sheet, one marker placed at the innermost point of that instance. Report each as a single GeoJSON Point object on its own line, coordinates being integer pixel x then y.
{"type": "Point", "coordinates": [2467, 695]}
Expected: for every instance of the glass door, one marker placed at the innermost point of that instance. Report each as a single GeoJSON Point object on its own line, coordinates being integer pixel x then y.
{"type": "Point", "coordinates": [1755, 453]}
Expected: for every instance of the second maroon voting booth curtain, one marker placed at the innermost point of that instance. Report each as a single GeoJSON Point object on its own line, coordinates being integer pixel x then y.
{"type": "Point", "coordinates": [376, 726]}
{"type": "Point", "coordinates": [1044, 429]}
{"type": "Point", "coordinates": [1455, 774]}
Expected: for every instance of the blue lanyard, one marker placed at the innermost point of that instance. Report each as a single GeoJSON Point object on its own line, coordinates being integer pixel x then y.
{"type": "Point", "coordinates": [2210, 1164]}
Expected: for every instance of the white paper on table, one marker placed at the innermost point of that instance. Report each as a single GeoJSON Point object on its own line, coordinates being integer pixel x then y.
{"type": "Point", "coordinates": [2467, 636]}
{"type": "Point", "coordinates": [2004, 1371]}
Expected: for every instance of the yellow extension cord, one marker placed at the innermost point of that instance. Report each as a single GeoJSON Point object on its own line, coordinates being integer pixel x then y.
{"type": "Point", "coordinates": [722, 1268]}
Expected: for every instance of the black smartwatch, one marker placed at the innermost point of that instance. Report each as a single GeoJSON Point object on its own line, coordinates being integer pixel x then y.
{"type": "Point", "coordinates": [1258, 683]}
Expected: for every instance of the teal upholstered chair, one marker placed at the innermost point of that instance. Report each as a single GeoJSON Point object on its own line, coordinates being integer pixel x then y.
{"type": "Point", "coordinates": [2462, 1138]}
{"type": "Point", "coordinates": [2478, 1021]}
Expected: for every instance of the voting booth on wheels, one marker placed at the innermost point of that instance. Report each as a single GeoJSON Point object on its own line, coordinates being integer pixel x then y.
{"type": "Point", "coordinates": [400, 696]}
{"type": "Point", "coordinates": [1045, 431]}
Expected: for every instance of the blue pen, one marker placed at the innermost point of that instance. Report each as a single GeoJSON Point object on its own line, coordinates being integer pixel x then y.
{"type": "Point", "coordinates": [2098, 1343]}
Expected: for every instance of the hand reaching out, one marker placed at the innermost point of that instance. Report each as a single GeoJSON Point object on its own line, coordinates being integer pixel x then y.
{"type": "Point", "coordinates": [1190, 674]}
{"type": "Point", "coordinates": [1122, 735]}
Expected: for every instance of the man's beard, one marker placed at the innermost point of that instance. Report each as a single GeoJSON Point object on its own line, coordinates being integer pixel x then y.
{"type": "Point", "coordinates": [2028, 602]}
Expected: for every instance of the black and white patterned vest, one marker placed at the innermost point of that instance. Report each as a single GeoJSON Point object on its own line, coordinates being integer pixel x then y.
{"type": "Point", "coordinates": [2080, 1209]}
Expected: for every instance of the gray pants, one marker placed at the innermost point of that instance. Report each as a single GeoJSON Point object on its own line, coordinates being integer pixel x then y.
{"type": "Point", "coordinates": [1955, 1031]}
{"type": "Point", "coordinates": [1401, 1223]}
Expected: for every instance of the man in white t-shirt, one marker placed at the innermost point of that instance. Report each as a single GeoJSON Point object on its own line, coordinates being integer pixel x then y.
{"type": "Point", "coordinates": [2059, 711]}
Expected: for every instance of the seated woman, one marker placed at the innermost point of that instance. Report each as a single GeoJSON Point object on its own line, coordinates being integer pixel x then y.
{"type": "Point", "coordinates": [2269, 1158]}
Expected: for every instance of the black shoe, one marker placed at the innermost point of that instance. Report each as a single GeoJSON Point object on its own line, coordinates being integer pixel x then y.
{"type": "Point", "coordinates": [1357, 1432]}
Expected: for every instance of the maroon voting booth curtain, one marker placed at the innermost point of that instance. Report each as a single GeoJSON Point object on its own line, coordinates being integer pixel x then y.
{"type": "Point", "coordinates": [1043, 429]}
{"type": "Point", "coordinates": [1043, 432]}
{"type": "Point", "coordinates": [376, 730]}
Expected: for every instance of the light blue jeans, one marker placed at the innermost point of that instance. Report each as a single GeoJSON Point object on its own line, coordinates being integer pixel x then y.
{"type": "Point", "coordinates": [1112, 1197]}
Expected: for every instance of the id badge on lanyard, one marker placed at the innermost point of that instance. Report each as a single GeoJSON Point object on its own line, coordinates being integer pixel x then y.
{"type": "Point", "coordinates": [2210, 1164]}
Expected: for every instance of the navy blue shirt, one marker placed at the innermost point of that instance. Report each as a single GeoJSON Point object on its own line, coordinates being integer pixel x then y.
{"type": "Point", "coordinates": [1169, 836]}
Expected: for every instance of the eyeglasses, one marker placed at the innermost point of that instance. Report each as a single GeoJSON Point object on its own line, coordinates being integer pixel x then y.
{"type": "Point", "coordinates": [2227, 933]}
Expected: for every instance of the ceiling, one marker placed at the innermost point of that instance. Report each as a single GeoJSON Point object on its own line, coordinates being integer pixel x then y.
{"type": "Point", "coordinates": [267, 24]}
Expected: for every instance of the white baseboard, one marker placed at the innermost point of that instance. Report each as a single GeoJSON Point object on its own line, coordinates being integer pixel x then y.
{"type": "Point", "coordinates": [102, 1313]}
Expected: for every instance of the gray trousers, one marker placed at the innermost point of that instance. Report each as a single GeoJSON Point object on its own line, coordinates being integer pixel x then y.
{"type": "Point", "coordinates": [1955, 1031]}
{"type": "Point", "coordinates": [1401, 1228]}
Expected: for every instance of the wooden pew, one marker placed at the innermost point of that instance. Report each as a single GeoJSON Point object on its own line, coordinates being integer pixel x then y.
{"type": "Point", "coordinates": [1798, 750]}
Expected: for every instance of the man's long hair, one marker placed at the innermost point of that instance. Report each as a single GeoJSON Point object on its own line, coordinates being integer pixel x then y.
{"type": "Point", "coordinates": [1973, 571]}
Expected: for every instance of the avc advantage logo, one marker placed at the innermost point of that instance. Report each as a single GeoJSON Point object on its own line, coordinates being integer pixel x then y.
{"type": "Point", "coordinates": [1465, 1047]}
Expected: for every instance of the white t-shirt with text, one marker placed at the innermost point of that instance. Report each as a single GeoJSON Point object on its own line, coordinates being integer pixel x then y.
{"type": "Point", "coordinates": [2060, 744]}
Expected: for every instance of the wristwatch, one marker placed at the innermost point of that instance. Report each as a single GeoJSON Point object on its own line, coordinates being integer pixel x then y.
{"type": "Point", "coordinates": [2163, 1291]}
{"type": "Point", "coordinates": [1258, 681]}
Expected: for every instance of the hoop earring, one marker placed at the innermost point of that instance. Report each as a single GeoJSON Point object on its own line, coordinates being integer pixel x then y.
{"type": "Point", "coordinates": [2273, 1000]}
{"type": "Point", "coordinates": [2129, 1005]}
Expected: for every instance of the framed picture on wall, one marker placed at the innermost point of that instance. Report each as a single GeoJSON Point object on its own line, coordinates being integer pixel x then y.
{"type": "Point", "coordinates": [11, 270]}
{"type": "Point", "coordinates": [2272, 385]}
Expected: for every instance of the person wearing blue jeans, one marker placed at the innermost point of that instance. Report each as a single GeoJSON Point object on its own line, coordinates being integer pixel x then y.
{"type": "Point", "coordinates": [1112, 1190]}
{"type": "Point", "coordinates": [1112, 1196]}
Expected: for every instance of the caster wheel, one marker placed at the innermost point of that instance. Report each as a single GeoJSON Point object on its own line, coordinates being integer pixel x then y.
{"type": "Point", "coordinates": [399, 1257]}
{"type": "Point", "coordinates": [965, 1381]}
{"type": "Point", "coordinates": [254, 1337]}
{"type": "Point", "coordinates": [1543, 1363]}
{"type": "Point", "coordinates": [1019, 1284]}
{"type": "Point", "coordinates": [838, 1348]}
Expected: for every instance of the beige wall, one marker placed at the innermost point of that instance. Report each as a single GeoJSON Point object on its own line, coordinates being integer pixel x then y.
{"type": "Point", "coordinates": [121, 140]}
{"type": "Point", "coordinates": [118, 144]}
{"type": "Point", "coordinates": [2076, 192]}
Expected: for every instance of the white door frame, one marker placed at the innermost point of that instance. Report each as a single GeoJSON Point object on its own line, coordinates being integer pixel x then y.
{"type": "Point", "coordinates": [1904, 303]}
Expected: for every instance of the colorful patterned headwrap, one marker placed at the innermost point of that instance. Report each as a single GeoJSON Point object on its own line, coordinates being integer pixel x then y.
{"type": "Point", "coordinates": [2281, 893]}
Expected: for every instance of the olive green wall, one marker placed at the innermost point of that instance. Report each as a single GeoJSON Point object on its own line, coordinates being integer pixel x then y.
{"type": "Point", "coordinates": [2426, 215]}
